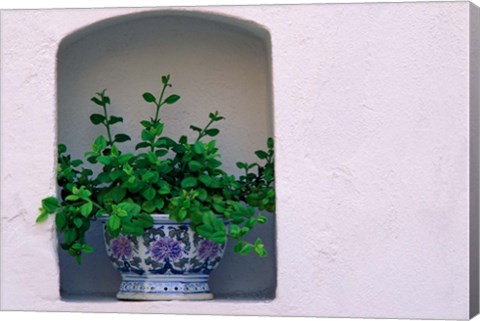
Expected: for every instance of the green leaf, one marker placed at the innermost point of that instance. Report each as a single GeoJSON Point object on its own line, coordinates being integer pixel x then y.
{"type": "Point", "coordinates": [244, 230]}
{"type": "Point", "coordinates": [133, 230]}
{"type": "Point", "coordinates": [114, 151]}
{"type": "Point", "coordinates": [147, 136]}
{"type": "Point", "coordinates": [234, 230]}
{"type": "Point", "coordinates": [159, 203]}
{"type": "Point", "coordinates": [252, 165]}
{"type": "Point", "coordinates": [158, 129]}
{"type": "Point", "coordinates": [114, 120]}
{"type": "Point", "coordinates": [195, 128]}
{"type": "Point", "coordinates": [259, 248]}
{"type": "Point", "coordinates": [134, 209]}
{"type": "Point", "coordinates": [261, 219]}
{"type": "Point", "coordinates": [120, 138]}
{"type": "Point", "coordinates": [204, 231]}
{"type": "Point", "coordinates": [208, 219]}
{"type": "Point", "coordinates": [105, 160]}
{"type": "Point", "coordinates": [149, 193]}
{"type": "Point", "coordinates": [72, 198]}
{"type": "Point", "coordinates": [78, 222]}
{"type": "Point", "coordinates": [202, 194]}
{"type": "Point", "coordinates": [179, 149]}
{"type": "Point", "coordinates": [152, 158]}
{"type": "Point", "coordinates": [188, 182]}
{"type": "Point", "coordinates": [145, 220]}
{"type": "Point", "coordinates": [241, 165]}
{"type": "Point", "coordinates": [182, 214]}
{"type": "Point", "coordinates": [251, 223]}
{"type": "Point", "coordinates": [195, 166]}
{"type": "Point", "coordinates": [97, 101]}
{"type": "Point", "coordinates": [117, 194]}
{"type": "Point", "coordinates": [148, 206]}
{"type": "Point", "coordinates": [261, 154]}
{"type": "Point", "coordinates": [43, 216]}
{"type": "Point", "coordinates": [218, 224]}
{"type": "Point", "coordinates": [164, 187]}
{"type": "Point", "coordinates": [242, 248]}
{"type": "Point", "coordinates": [60, 221]}
{"type": "Point", "coordinates": [165, 79]}
{"type": "Point", "coordinates": [104, 177]}
{"type": "Point", "coordinates": [100, 143]}
{"type": "Point", "coordinates": [84, 193]}
{"type": "Point", "coordinates": [86, 209]}
{"type": "Point", "coordinates": [119, 211]}
{"type": "Point", "coordinates": [124, 158]}
{"type": "Point", "coordinates": [217, 199]}
{"type": "Point", "coordinates": [113, 223]}
{"type": "Point", "coordinates": [150, 177]}
{"type": "Point", "coordinates": [142, 145]}
{"type": "Point", "coordinates": [213, 163]}
{"type": "Point", "coordinates": [145, 123]}
{"type": "Point", "coordinates": [91, 157]}
{"type": "Point", "coordinates": [270, 142]}
{"type": "Point", "coordinates": [205, 179]}
{"type": "Point", "coordinates": [76, 163]}
{"type": "Point", "coordinates": [219, 208]}
{"type": "Point", "coordinates": [77, 246]}
{"type": "Point", "coordinates": [97, 119]}
{"type": "Point", "coordinates": [50, 204]}
{"type": "Point", "coordinates": [219, 237]}
{"type": "Point", "coordinates": [246, 248]}
{"type": "Point", "coordinates": [87, 249]}
{"type": "Point", "coordinates": [161, 152]}
{"type": "Point", "coordinates": [212, 132]}
{"type": "Point", "coordinates": [198, 147]}
{"type": "Point", "coordinates": [172, 99]}
{"type": "Point", "coordinates": [149, 97]}
{"type": "Point", "coordinates": [70, 236]}
{"type": "Point", "coordinates": [260, 251]}
{"type": "Point", "coordinates": [62, 148]}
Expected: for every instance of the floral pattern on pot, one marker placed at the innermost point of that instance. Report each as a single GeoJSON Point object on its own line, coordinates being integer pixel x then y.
{"type": "Point", "coordinates": [168, 248]}
{"type": "Point", "coordinates": [121, 248]}
{"type": "Point", "coordinates": [124, 253]}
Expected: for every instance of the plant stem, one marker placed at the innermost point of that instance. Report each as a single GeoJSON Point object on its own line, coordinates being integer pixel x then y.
{"type": "Point", "coordinates": [99, 206]}
{"type": "Point", "coordinates": [202, 133]}
{"type": "Point", "coordinates": [159, 104]}
{"type": "Point", "coordinates": [110, 142]}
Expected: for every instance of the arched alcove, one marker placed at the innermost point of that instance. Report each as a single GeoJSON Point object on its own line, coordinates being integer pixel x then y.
{"type": "Point", "coordinates": [215, 63]}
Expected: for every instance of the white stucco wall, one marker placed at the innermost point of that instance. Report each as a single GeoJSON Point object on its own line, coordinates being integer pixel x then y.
{"type": "Point", "coordinates": [372, 127]}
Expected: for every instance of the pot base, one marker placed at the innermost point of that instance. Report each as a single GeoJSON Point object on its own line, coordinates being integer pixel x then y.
{"type": "Point", "coordinates": [164, 289]}
{"type": "Point", "coordinates": [164, 297]}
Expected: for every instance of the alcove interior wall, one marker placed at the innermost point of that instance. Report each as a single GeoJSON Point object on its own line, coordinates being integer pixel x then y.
{"type": "Point", "coordinates": [215, 64]}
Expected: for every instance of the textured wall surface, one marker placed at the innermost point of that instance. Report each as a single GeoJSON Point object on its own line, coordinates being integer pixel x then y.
{"type": "Point", "coordinates": [474, 158]}
{"type": "Point", "coordinates": [372, 126]}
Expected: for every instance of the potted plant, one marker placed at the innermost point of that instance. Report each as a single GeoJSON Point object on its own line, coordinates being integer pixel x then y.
{"type": "Point", "coordinates": [168, 208]}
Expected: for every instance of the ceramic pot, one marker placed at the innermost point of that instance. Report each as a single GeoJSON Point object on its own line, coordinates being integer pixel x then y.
{"type": "Point", "coordinates": [169, 262]}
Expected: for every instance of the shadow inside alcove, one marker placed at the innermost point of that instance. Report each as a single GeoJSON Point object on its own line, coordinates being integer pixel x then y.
{"type": "Point", "coordinates": [215, 63]}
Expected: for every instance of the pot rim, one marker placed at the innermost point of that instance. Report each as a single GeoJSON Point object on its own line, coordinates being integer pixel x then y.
{"type": "Point", "coordinates": [156, 218]}
{"type": "Point", "coordinates": [164, 218]}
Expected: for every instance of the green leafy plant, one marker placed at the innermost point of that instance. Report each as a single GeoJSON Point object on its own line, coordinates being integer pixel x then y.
{"type": "Point", "coordinates": [180, 177]}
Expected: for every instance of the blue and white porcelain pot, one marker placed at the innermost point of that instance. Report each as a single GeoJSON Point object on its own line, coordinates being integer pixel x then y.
{"type": "Point", "coordinates": [169, 262]}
